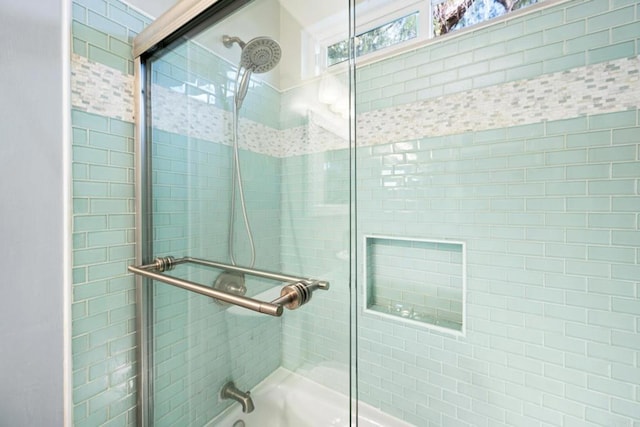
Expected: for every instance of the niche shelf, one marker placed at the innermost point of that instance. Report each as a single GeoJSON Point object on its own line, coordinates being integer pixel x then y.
{"type": "Point", "coordinates": [419, 281]}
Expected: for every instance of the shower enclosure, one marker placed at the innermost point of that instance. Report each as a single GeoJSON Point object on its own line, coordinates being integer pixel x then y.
{"type": "Point", "coordinates": [235, 284]}
{"type": "Point", "coordinates": [462, 252]}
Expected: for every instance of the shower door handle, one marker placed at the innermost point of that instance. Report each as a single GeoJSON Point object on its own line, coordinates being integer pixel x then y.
{"type": "Point", "coordinates": [296, 293]}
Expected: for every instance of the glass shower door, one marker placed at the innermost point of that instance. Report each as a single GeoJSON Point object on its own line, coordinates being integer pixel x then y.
{"type": "Point", "coordinates": [246, 166]}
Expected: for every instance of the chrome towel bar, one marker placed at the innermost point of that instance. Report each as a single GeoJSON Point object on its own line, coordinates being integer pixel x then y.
{"type": "Point", "coordinates": [295, 293]}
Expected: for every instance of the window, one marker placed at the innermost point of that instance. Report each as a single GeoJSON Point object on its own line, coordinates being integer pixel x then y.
{"type": "Point", "coordinates": [451, 15]}
{"type": "Point", "coordinates": [394, 22]}
{"type": "Point", "coordinates": [394, 32]}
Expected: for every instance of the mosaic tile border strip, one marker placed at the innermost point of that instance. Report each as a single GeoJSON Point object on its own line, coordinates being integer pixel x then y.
{"type": "Point", "coordinates": [595, 89]}
{"type": "Point", "coordinates": [173, 110]}
{"type": "Point", "coordinates": [602, 88]}
{"type": "Point", "coordinates": [100, 89]}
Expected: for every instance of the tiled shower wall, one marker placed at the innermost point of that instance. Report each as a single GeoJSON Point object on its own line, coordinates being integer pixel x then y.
{"type": "Point", "coordinates": [103, 329]}
{"type": "Point", "coordinates": [550, 218]}
{"type": "Point", "coordinates": [199, 344]}
{"type": "Point", "coordinates": [523, 140]}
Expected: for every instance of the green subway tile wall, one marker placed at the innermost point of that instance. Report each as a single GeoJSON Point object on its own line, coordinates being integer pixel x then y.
{"type": "Point", "coordinates": [104, 356]}
{"type": "Point", "coordinates": [199, 344]}
{"type": "Point", "coordinates": [192, 69]}
{"type": "Point", "coordinates": [558, 38]}
{"type": "Point", "coordinates": [103, 31]}
{"type": "Point", "coordinates": [549, 273]}
{"type": "Point", "coordinates": [314, 243]}
{"type": "Point", "coordinates": [103, 328]}
{"type": "Point", "coordinates": [549, 213]}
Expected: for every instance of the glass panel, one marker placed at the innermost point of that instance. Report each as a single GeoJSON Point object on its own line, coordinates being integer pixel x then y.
{"type": "Point", "coordinates": [527, 170]}
{"type": "Point", "coordinates": [249, 155]}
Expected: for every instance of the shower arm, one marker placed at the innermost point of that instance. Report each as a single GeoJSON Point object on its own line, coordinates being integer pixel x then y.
{"type": "Point", "coordinates": [297, 292]}
{"type": "Point", "coordinates": [228, 41]}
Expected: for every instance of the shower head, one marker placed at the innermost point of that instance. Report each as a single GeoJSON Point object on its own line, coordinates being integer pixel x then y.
{"type": "Point", "coordinates": [259, 55]}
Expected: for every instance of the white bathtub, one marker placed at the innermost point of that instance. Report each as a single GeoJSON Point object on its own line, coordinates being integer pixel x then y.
{"type": "Point", "coordinates": [286, 399]}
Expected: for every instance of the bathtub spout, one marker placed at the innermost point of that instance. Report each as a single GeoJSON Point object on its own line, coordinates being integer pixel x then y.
{"type": "Point", "coordinates": [230, 391]}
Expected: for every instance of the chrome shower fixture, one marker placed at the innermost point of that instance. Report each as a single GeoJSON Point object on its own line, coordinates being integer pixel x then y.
{"type": "Point", "coordinates": [228, 41]}
{"type": "Point", "coordinates": [259, 55]}
{"type": "Point", "coordinates": [230, 391]}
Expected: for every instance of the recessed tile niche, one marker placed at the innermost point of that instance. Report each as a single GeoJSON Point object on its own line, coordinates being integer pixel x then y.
{"type": "Point", "coordinates": [416, 280]}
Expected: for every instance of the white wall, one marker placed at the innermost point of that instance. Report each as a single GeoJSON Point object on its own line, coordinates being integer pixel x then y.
{"type": "Point", "coordinates": [33, 201]}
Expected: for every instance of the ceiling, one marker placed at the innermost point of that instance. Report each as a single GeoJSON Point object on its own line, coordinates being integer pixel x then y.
{"type": "Point", "coordinates": [154, 8]}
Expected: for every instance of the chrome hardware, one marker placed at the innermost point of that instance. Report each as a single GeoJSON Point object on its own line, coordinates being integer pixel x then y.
{"type": "Point", "coordinates": [230, 282]}
{"type": "Point", "coordinates": [230, 391]}
{"type": "Point", "coordinates": [228, 41]}
{"type": "Point", "coordinates": [166, 263]}
{"type": "Point", "coordinates": [295, 293]}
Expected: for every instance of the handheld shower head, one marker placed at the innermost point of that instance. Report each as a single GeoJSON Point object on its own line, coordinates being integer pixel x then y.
{"type": "Point", "coordinates": [259, 55]}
